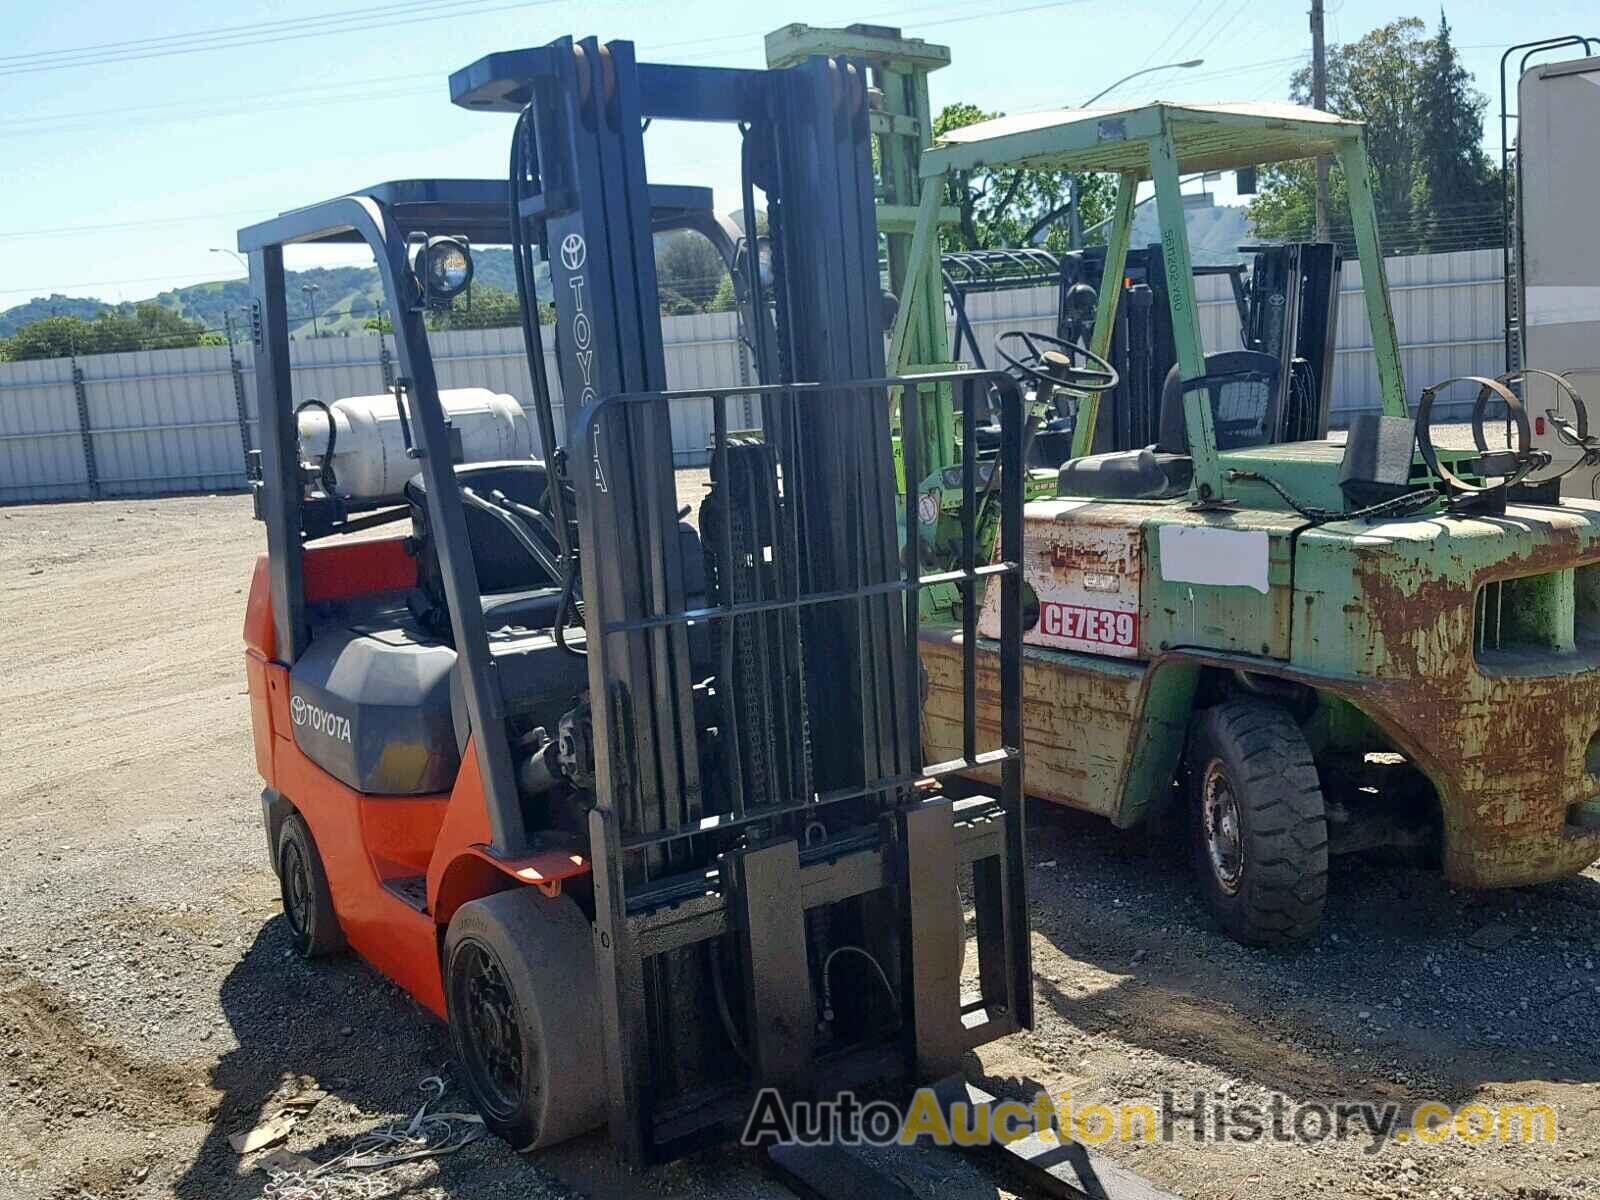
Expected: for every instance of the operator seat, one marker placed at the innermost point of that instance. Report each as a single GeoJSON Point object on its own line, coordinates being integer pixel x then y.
{"type": "Point", "coordinates": [1243, 387]}
{"type": "Point", "coordinates": [515, 589]}
{"type": "Point", "coordinates": [1144, 474]}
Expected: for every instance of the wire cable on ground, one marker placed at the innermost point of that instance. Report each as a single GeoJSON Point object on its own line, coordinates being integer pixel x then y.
{"type": "Point", "coordinates": [344, 1177]}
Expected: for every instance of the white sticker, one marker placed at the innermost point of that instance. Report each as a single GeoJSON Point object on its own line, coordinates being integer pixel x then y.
{"type": "Point", "coordinates": [1208, 555]}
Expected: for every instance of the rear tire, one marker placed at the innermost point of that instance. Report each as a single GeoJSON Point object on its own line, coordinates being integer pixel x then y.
{"type": "Point", "coordinates": [1260, 830]}
{"type": "Point", "coordinates": [307, 903]}
{"type": "Point", "coordinates": [519, 987]}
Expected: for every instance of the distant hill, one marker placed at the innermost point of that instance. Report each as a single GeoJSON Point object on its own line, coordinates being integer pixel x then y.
{"type": "Point", "coordinates": [37, 309]}
{"type": "Point", "coordinates": [346, 297]}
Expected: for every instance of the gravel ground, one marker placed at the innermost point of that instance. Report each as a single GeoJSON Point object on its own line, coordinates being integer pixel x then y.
{"type": "Point", "coordinates": [150, 1006]}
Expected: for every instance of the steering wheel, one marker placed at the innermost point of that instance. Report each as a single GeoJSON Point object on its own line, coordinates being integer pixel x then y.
{"type": "Point", "coordinates": [1059, 365]}
{"type": "Point", "coordinates": [1509, 466]}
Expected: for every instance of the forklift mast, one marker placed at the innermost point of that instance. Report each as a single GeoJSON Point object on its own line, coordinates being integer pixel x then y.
{"type": "Point", "coordinates": [800, 817]}
{"type": "Point", "coordinates": [900, 120]}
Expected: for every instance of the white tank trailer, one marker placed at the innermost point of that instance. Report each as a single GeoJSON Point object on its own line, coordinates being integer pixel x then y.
{"type": "Point", "coordinates": [369, 451]}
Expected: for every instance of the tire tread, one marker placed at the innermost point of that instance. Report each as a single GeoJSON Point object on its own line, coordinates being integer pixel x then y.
{"type": "Point", "coordinates": [1285, 821]}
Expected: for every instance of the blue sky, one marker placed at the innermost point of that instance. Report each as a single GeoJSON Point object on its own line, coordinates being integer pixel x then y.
{"type": "Point", "coordinates": [120, 176]}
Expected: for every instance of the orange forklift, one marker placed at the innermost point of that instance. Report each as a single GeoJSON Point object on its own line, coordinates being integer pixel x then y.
{"type": "Point", "coordinates": [632, 794]}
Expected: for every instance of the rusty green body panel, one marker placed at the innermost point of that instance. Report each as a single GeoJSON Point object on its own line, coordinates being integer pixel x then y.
{"type": "Point", "coordinates": [1388, 616]}
{"type": "Point", "coordinates": [1469, 644]}
{"type": "Point", "coordinates": [1101, 735]}
{"type": "Point", "coordinates": [1392, 622]}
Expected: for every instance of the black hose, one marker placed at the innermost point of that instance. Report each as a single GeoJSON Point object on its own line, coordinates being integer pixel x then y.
{"type": "Point", "coordinates": [533, 346]}
{"type": "Point", "coordinates": [558, 629]}
{"type": "Point", "coordinates": [532, 335]}
{"type": "Point", "coordinates": [329, 485]}
{"type": "Point", "coordinates": [531, 515]}
{"type": "Point", "coordinates": [719, 987]}
{"type": "Point", "coordinates": [1402, 505]}
{"type": "Point", "coordinates": [514, 527]}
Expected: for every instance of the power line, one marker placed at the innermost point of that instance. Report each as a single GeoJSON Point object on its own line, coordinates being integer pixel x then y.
{"type": "Point", "coordinates": [987, 14]}
{"type": "Point", "coordinates": [190, 104]}
{"type": "Point", "coordinates": [212, 112]}
{"type": "Point", "coordinates": [1222, 28]}
{"type": "Point", "coordinates": [1192, 77]}
{"type": "Point", "coordinates": [321, 31]}
{"type": "Point", "coordinates": [61, 229]}
{"type": "Point", "coordinates": [1185, 49]}
{"type": "Point", "coordinates": [991, 13]}
{"type": "Point", "coordinates": [759, 35]}
{"type": "Point", "coordinates": [1177, 28]}
{"type": "Point", "coordinates": [362, 96]}
{"type": "Point", "coordinates": [291, 30]}
{"type": "Point", "coordinates": [224, 31]}
{"type": "Point", "coordinates": [354, 91]}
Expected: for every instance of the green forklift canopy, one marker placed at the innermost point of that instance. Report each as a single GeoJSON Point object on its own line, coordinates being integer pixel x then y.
{"type": "Point", "coordinates": [1161, 142]}
{"type": "Point", "coordinates": [1210, 137]}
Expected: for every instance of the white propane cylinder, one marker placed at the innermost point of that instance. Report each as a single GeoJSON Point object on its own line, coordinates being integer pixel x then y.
{"type": "Point", "coordinates": [369, 450]}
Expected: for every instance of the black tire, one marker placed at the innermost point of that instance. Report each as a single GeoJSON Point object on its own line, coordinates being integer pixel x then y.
{"type": "Point", "coordinates": [307, 903]}
{"type": "Point", "coordinates": [519, 987]}
{"type": "Point", "coordinates": [1259, 826]}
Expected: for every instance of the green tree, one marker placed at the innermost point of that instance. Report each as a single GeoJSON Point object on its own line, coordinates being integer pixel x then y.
{"type": "Point", "coordinates": [1454, 186]}
{"type": "Point", "coordinates": [490, 308]}
{"type": "Point", "coordinates": [725, 300]}
{"type": "Point", "coordinates": [1017, 206]}
{"type": "Point", "coordinates": [676, 304]}
{"type": "Point", "coordinates": [1423, 125]}
{"type": "Point", "coordinates": [49, 337]}
{"type": "Point", "coordinates": [689, 269]}
{"type": "Point", "coordinates": [148, 326]}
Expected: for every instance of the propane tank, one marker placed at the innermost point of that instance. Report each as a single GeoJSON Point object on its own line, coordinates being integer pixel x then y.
{"type": "Point", "coordinates": [369, 451]}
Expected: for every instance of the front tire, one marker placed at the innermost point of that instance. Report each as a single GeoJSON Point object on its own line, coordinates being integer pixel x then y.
{"type": "Point", "coordinates": [519, 988]}
{"type": "Point", "coordinates": [1260, 829]}
{"type": "Point", "coordinates": [303, 883]}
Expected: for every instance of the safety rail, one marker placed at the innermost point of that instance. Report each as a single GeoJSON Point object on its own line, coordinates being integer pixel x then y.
{"type": "Point", "coordinates": [803, 640]}
{"type": "Point", "coordinates": [604, 485]}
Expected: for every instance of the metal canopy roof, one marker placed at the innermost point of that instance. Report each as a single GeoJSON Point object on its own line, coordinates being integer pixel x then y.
{"type": "Point", "coordinates": [477, 209]}
{"type": "Point", "coordinates": [1209, 137]}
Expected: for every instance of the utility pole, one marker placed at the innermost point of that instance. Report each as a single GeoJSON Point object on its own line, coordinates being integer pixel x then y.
{"type": "Point", "coordinates": [1319, 100]}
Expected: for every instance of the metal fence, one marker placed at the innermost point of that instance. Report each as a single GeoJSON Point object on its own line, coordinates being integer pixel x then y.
{"type": "Point", "coordinates": [180, 420]}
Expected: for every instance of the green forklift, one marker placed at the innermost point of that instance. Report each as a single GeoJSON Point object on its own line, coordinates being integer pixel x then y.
{"type": "Point", "coordinates": [1310, 644]}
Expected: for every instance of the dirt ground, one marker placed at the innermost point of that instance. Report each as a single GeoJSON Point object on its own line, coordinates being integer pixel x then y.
{"type": "Point", "coordinates": [150, 1005]}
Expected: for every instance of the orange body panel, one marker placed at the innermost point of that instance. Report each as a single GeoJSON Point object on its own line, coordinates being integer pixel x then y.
{"type": "Point", "coordinates": [341, 570]}
{"type": "Point", "coordinates": [381, 927]}
{"type": "Point", "coordinates": [463, 867]}
{"type": "Point", "coordinates": [255, 673]}
{"type": "Point", "coordinates": [258, 634]}
{"type": "Point", "coordinates": [365, 840]}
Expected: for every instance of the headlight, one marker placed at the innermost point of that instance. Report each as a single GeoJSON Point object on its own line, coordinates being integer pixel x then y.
{"type": "Point", "coordinates": [443, 268]}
